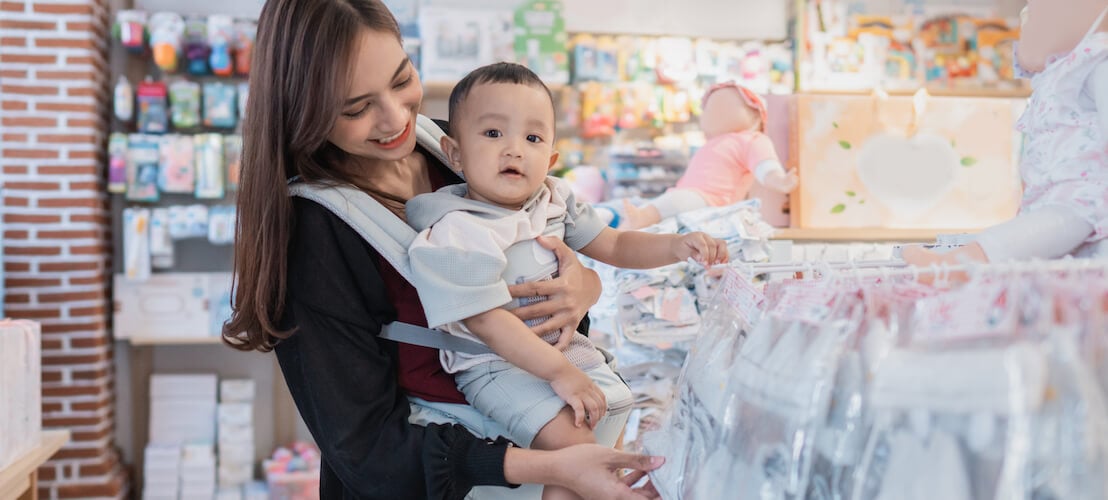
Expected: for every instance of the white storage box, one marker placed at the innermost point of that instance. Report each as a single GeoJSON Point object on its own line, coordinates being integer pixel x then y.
{"type": "Point", "coordinates": [20, 388]}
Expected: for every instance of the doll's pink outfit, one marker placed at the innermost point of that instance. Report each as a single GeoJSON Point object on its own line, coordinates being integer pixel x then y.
{"type": "Point", "coordinates": [1065, 162]}
{"type": "Point", "coordinates": [723, 170]}
{"type": "Point", "coordinates": [1065, 157]}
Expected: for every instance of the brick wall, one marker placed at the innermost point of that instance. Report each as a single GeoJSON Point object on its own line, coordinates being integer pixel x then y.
{"type": "Point", "coordinates": [54, 99]}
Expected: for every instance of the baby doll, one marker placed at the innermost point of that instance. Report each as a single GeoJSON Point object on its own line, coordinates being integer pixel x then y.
{"type": "Point", "coordinates": [737, 152]}
{"type": "Point", "coordinates": [1065, 159]}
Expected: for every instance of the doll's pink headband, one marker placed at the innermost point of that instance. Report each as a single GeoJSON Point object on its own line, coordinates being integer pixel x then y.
{"type": "Point", "coordinates": [753, 100]}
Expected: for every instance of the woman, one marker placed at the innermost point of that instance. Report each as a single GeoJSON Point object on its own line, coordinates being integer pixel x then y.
{"type": "Point", "coordinates": [333, 97]}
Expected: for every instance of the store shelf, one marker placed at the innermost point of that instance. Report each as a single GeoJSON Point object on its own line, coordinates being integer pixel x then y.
{"type": "Point", "coordinates": [939, 92]}
{"type": "Point", "coordinates": [21, 476]}
{"type": "Point", "coordinates": [441, 90]}
{"type": "Point", "coordinates": [863, 234]}
{"type": "Point", "coordinates": [157, 341]}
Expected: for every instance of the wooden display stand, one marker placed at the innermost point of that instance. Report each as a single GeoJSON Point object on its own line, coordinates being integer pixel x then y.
{"type": "Point", "coordinates": [20, 479]}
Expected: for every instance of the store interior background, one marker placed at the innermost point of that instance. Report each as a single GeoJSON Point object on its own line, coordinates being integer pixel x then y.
{"type": "Point", "coordinates": [60, 226]}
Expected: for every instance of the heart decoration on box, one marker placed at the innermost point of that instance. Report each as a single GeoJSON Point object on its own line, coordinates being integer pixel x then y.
{"type": "Point", "coordinates": [908, 175]}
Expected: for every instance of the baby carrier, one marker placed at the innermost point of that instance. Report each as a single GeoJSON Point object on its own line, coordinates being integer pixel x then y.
{"type": "Point", "coordinates": [391, 237]}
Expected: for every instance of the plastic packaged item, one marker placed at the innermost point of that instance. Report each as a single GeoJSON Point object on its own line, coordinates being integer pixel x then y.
{"type": "Point", "coordinates": [130, 30]}
{"type": "Point", "coordinates": [153, 108]}
{"type": "Point", "coordinates": [208, 149]}
{"type": "Point", "coordinates": [221, 225]}
{"type": "Point", "coordinates": [243, 90]}
{"type": "Point", "coordinates": [219, 105]}
{"type": "Point", "coordinates": [117, 162]}
{"type": "Point", "coordinates": [123, 100]}
{"type": "Point", "coordinates": [178, 170]}
{"type": "Point", "coordinates": [166, 32]}
{"type": "Point", "coordinates": [243, 44]}
{"type": "Point", "coordinates": [197, 50]}
{"type": "Point", "coordinates": [232, 160]}
{"type": "Point", "coordinates": [184, 97]}
{"type": "Point", "coordinates": [161, 245]}
{"type": "Point", "coordinates": [136, 244]}
{"type": "Point", "coordinates": [220, 34]}
{"type": "Point", "coordinates": [143, 164]}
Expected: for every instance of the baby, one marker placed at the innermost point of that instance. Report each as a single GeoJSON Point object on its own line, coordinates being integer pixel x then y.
{"type": "Point", "coordinates": [477, 238]}
{"type": "Point", "coordinates": [737, 153]}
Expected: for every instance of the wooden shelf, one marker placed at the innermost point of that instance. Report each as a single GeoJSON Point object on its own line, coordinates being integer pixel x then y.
{"type": "Point", "coordinates": [864, 234]}
{"type": "Point", "coordinates": [19, 480]}
{"type": "Point", "coordinates": [938, 92]}
{"type": "Point", "coordinates": [158, 341]}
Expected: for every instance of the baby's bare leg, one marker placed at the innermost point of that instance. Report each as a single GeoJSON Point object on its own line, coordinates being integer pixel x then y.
{"type": "Point", "coordinates": [557, 434]}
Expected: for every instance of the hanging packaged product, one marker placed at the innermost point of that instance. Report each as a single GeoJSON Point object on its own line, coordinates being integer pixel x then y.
{"type": "Point", "coordinates": [219, 105]}
{"type": "Point", "coordinates": [541, 40]}
{"type": "Point", "coordinates": [142, 167]}
{"type": "Point", "coordinates": [153, 108]}
{"type": "Point", "coordinates": [117, 163]}
{"type": "Point", "coordinates": [136, 244]}
{"type": "Point", "coordinates": [220, 33]}
{"type": "Point", "coordinates": [184, 98]}
{"type": "Point", "coordinates": [167, 30]}
{"type": "Point", "coordinates": [221, 225]}
{"type": "Point", "coordinates": [243, 43]}
{"type": "Point", "coordinates": [209, 166]}
{"type": "Point", "coordinates": [232, 160]}
{"type": "Point", "coordinates": [161, 245]}
{"type": "Point", "coordinates": [178, 169]}
{"type": "Point", "coordinates": [243, 91]}
{"type": "Point", "coordinates": [130, 30]}
{"type": "Point", "coordinates": [196, 45]}
{"type": "Point", "coordinates": [123, 100]}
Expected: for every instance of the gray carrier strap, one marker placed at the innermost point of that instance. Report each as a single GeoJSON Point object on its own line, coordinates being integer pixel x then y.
{"type": "Point", "coordinates": [390, 236]}
{"type": "Point", "coordinates": [426, 337]}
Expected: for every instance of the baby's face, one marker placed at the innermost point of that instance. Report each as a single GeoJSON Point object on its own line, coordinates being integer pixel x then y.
{"type": "Point", "coordinates": [503, 142]}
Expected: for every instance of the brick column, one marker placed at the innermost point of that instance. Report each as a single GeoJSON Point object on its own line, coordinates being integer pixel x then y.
{"type": "Point", "coordinates": [54, 104]}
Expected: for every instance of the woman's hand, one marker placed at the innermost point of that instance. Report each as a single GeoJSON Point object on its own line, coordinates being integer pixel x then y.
{"type": "Point", "coordinates": [590, 470]}
{"type": "Point", "coordinates": [569, 296]}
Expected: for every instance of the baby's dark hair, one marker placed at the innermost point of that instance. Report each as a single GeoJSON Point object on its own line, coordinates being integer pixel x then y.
{"type": "Point", "coordinates": [501, 72]}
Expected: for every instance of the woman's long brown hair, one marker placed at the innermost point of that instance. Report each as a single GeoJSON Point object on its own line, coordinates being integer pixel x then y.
{"type": "Point", "coordinates": [297, 85]}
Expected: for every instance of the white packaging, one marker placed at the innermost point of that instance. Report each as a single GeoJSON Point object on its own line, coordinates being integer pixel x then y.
{"type": "Point", "coordinates": [236, 390]}
{"type": "Point", "coordinates": [20, 388]}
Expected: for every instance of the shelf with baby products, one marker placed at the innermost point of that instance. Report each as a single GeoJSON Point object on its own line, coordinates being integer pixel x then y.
{"type": "Point", "coordinates": [180, 88]}
{"type": "Point", "coordinates": [956, 50]}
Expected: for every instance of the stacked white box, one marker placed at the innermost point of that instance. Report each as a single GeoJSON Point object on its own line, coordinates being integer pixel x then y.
{"type": "Point", "coordinates": [236, 432]}
{"type": "Point", "coordinates": [255, 490]}
{"type": "Point", "coordinates": [182, 409]}
{"type": "Point", "coordinates": [161, 472]}
{"type": "Point", "coordinates": [183, 419]}
{"type": "Point", "coordinates": [198, 472]}
{"type": "Point", "coordinates": [20, 388]}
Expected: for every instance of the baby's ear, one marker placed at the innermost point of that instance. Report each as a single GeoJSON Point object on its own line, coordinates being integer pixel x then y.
{"type": "Point", "coordinates": [553, 161]}
{"type": "Point", "coordinates": [451, 150]}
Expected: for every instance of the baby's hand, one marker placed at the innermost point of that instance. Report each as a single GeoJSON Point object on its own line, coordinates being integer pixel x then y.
{"type": "Point", "coordinates": [581, 394]}
{"type": "Point", "coordinates": [783, 182]}
{"type": "Point", "coordinates": [706, 250]}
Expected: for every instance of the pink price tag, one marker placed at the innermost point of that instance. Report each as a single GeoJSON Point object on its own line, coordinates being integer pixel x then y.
{"type": "Point", "coordinates": [738, 292]}
{"type": "Point", "coordinates": [643, 293]}
{"type": "Point", "coordinates": [964, 314]}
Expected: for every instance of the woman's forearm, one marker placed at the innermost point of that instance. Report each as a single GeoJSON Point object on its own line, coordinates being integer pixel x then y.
{"type": "Point", "coordinates": [524, 466]}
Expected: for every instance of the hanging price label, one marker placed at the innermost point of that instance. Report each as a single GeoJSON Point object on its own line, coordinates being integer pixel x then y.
{"type": "Point", "coordinates": [743, 296]}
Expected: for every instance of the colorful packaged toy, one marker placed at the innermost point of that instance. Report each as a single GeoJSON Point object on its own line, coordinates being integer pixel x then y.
{"type": "Point", "coordinates": [184, 98]}
{"type": "Point", "coordinates": [153, 108]}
